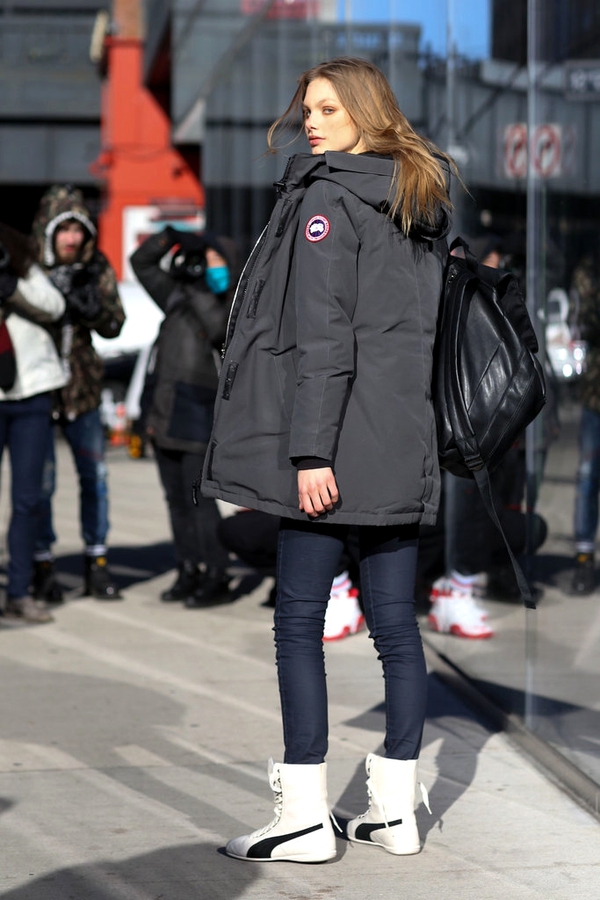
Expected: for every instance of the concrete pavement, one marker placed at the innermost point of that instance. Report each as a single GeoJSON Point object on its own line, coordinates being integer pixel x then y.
{"type": "Point", "coordinates": [135, 736]}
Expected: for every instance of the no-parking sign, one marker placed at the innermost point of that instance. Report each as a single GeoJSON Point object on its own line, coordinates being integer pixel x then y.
{"type": "Point", "coordinates": [544, 150]}
{"type": "Point", "coordinates": [515, 150]}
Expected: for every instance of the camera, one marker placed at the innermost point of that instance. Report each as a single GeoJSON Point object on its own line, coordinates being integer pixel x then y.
{"type": "Point", "coordinates": [188, 265]}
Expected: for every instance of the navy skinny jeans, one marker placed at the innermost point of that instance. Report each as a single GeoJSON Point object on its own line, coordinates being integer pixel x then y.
{"type": "Point", "coordinates": [308, 557]}
{"type": "Point", "coordinates": [24, 429]}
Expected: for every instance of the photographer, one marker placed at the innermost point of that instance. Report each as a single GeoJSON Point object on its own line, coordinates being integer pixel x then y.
{"type": "Point", "coordinates": [29, 370]}
{"type": "Point", "coordinates": [66, 238]}
{"type": "Point", "coordinates": [195, 295]}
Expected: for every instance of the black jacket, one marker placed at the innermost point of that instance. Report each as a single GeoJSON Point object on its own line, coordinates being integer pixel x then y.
{"type": "Point", "coordinates": [182, 375]}
{"type": "Point", "coordinates": [329, 351]}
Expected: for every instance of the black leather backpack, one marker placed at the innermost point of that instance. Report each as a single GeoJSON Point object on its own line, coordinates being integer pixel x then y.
{"type": "Point", "coordinates": [488, 384]}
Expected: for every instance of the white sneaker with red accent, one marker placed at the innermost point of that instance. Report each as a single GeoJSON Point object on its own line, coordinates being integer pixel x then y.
{"type": "Point", "coordinates": [457, 612]}
{"type": "Point", "coordinates": [344, 615]}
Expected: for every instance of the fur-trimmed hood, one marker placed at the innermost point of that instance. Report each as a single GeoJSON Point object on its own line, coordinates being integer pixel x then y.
{"type": "Point", "coordinates": [62, 203]}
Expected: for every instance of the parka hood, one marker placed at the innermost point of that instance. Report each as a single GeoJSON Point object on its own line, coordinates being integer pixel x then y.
{"type": "Point", "coordinates": [59, 204]}
{"type": "Point", "coordinates": [367, 176]}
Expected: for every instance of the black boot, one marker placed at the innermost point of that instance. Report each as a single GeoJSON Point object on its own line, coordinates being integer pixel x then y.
{"type": "Point", "coordinates": [213, 590]}
{"type": "Point", "coordinates": [584, 576]}
{"type": "Point", "coordinates": [187, 582]}
{"type": "Point", "coordinates": [45, 586]}
{"type": "Point", "coordinates": [98, 582]}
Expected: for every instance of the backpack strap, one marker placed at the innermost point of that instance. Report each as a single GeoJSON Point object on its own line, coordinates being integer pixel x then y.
{"type": "Point", "coordinates": [482, 479]}
{"type": "Point", "coordinates": [466, 254]}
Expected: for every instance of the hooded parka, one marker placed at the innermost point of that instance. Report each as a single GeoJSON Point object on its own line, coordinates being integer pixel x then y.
{"type": "Point", "coordinates": [329, 351]}
{"type": "Point", "coordinates": [63, 203]}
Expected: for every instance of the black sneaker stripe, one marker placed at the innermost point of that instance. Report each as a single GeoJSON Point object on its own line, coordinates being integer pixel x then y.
{"type": "Point", "coordinates": [263, 849]}
{"type": "Point", "coordinates": [364, 831]}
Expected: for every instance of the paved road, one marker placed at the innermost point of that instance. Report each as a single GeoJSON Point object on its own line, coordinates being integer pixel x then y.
{"type": "Point", "coordinates": [135, 736]}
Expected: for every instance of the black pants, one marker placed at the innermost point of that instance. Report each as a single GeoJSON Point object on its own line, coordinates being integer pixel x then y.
{"type": "Point", "coordinates": [252, 535]}
{"type": "Point", "coordinates": [194, 528]}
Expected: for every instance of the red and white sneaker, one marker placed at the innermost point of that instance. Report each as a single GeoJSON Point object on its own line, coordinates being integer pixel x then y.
{"type": "Point", "coordinates": [344, 615]}
{"type": "Point", "coordinates": [457, 612]}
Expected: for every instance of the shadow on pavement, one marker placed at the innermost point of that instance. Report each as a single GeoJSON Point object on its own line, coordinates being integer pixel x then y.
{"type": "Point", "coordinates": [128, 565]}
{"type": "Point", "coordinates": [463, 734]}
{"type": "Point", "coordinates": [184, 872]}
{"type": "Point", "coordinates": [134, 565]}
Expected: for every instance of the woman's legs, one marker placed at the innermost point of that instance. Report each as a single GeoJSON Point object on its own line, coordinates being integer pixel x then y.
{"type": "Point", "coordinates": [387, 574]}
{"type": "Point", "coordinates": [309, 554]}
{"type": "Point", "coordinates": [307, 563]}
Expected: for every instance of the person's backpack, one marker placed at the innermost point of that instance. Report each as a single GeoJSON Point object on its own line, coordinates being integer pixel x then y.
{"type": "Point", "coordinates": [488, 384]}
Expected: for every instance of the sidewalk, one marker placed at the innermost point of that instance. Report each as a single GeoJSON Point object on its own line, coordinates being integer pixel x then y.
{"type": "Point", "coordinates": [135, 738]}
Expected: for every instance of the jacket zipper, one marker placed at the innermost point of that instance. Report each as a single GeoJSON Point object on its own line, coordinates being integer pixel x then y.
{"type": "Point", "coordinates": [235, 303]}
{"type": "Point", "coordinates": [250, 263]}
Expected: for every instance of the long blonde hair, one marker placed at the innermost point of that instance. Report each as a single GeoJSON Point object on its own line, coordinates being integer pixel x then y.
{"type": "Point", "coordinates": [419, 182]}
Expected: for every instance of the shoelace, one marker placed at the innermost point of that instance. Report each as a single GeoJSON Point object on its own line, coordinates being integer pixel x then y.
{"type": "Point", "coordinates": [373, 795]}
{"type": "Point", "coordinates": [275, 782]}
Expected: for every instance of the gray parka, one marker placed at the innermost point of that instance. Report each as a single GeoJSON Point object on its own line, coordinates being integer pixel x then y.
{"type": "Point", "coordinates": [329, 351]}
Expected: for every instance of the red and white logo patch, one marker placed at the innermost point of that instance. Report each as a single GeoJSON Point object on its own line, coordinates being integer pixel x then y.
{"type": "Point", "coordinates": [317, 228]}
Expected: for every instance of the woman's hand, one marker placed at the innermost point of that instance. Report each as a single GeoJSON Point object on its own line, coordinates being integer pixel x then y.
{"type": "Point", "coordinates": [317, 491]}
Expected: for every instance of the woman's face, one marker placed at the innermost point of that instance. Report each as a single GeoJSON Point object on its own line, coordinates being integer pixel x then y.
{"type": "Point", "coordinates": [326, 122]}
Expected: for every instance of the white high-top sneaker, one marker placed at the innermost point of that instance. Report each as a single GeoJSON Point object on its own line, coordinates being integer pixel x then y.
{"type": "Point", "coordinates": [344, 615]}
{"type": "Point", "coordinates": [390, 819]}
{"type": "Point", "coordinates": [301, 830]}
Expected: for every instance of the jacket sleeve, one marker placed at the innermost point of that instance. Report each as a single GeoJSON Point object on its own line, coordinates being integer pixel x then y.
{"type": "Point", "coordinates": [210, 310]}
{"type": "Point", "coordinates": [326, 253]}
{"type": "Point", "coordinates": [109, 321]}
{"type": "Point", "coordinates": [36, 298]}
{"type": "Point", "coordinates": [145, 262]}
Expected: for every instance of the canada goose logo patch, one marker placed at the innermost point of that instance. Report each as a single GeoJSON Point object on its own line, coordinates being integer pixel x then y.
{"type": "Point", "coordinates": [317, 228]}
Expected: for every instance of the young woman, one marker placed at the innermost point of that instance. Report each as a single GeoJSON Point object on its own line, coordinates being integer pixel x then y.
{"type": "Point", "coordinates": [30, 370]}
{"type": "Point", "coordinates": [324, 416]}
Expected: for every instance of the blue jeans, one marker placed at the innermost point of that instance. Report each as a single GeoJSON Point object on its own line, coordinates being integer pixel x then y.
{"type": "Point", "coordinates": [24, 428]}
{"type": "Point", "coordinates": [588, 481]}
{"type": "Point", "coordinates": [308, 558]}
{"type": "Point", "coordinates": [85, 436]}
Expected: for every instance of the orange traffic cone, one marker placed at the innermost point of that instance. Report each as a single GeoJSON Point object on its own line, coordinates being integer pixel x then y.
{"type": "Point", "coordinates": [118, 434]}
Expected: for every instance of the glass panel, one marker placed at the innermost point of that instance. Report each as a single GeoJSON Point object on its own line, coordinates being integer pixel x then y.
{"type": "Point", "coordinates": [518, 108]}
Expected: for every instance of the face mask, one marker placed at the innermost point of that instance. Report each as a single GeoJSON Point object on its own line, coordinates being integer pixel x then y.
{"type": "Point", "coordinates": [217, 279]}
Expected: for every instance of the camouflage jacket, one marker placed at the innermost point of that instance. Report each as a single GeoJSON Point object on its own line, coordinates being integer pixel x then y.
{"type": "Point", "coordinates": [586, 288]}
{"type": "Point", "coordinates": [92, 271]}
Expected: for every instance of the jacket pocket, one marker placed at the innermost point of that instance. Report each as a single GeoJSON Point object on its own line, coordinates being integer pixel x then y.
{"type": "Point", "coordinates": [286, 369]}
{"type": "Point", "coordinates": [209, 462]}
{"type": "Point", "coordinates": [229, 379]}
{"type": "Point", "coordinates": [253, 305]}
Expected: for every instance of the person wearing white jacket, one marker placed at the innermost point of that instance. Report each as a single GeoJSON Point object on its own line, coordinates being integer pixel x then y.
{"type": "Point", "coordinates": [30, 369]}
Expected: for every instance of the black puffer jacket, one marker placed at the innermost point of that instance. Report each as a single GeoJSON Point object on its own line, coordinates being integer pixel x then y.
{"type": "Point", "coordinates": [182, 374]}
{"type": "Point", "coordinates": [330, 350]}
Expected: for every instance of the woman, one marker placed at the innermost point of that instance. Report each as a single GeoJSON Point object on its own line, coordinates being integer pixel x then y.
{"type": "Point", "coordinates": [324, 416]}
{"type": "Point", "coordinates": [179, 396]}
{"type": "Point", "coordinates": [30, 370]}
